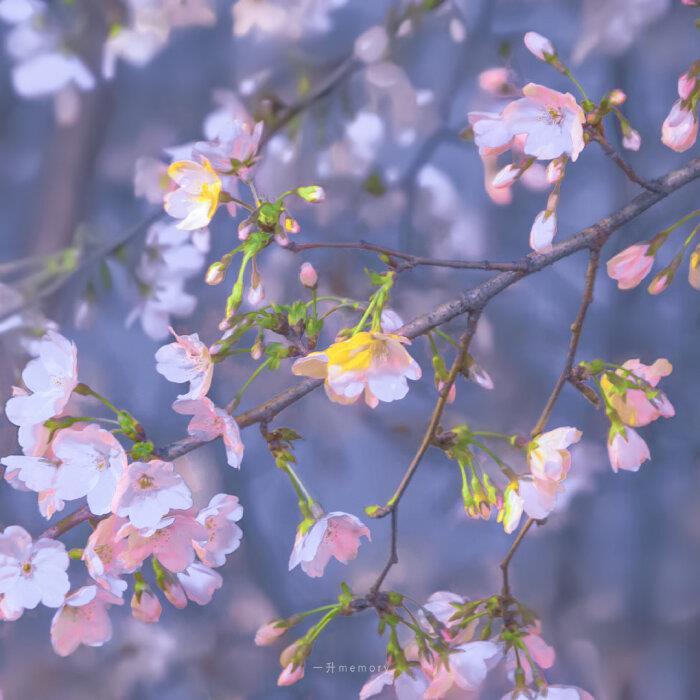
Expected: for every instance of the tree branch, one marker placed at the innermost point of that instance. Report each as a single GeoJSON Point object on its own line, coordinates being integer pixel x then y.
{"type": "Point", "coordinates": [477, 297]}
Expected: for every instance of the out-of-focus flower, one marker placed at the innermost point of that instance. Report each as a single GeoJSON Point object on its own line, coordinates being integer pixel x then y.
{"type": "Point", "coordinates": [550, 692]}
{"type": "Point", "coordinates": [31, 572]}
{"type": "Point", "coordinates": [146, 492]}
{"type": "Point", "coordinates": [92, 461]}
{"type": "Point", "coordinates": [223, 535]}
{"type": "Point", "coordinates": [405, 686]}
{"type": "Point", "coordinates": [372, 44]}
{"type": "Point", "coordinates": [151, 180]}
{"type": "Point", "coordinates": [83, 619]}
{"type": "Point", "coordinates": [186, 360]}
{"type": "Point", "coordinates": [197, 197]}
{"type": "Point", "coordinates": [627, 449]}
{"type": "Point", "coordinates": [631, 266]}
{"type": "Point", "coordinates": [145, 606]}
{"type": "Point", "coordinates": [210, 422]}
{"type": "Point", "coordinates": [634, 407]}
{"type": "Point", "coordinates": [163, 298]}
{"type": "Point", "coordinates": [680, 128]}
{"type": "Point", "coordinates": [539, 46]}
{"type": "Point", "coordinates": [334, 535]}
{"type": "Point", "coordinates": [374, 363]}
{"type": "Point", "coordinates": [497, 81]}
{"type": "Point", "coordinates": [50, 377]}
{"type": "Point", "coordinates": [548, 454]}
{"type": "Point", "coordinates": [234, 148]}
{"type": "Point", "coordinates": [694, 268]}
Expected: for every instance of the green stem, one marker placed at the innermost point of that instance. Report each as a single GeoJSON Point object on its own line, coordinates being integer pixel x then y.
{"type": "Point", "coordinates": [85, 390]}
{"type": "Point", "coordinates": [306, 502]}
{"type": "Point", "coordinates": [239, 394]}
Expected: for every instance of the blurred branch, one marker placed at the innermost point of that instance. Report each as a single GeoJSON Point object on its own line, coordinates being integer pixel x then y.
{"type": "Point", "coordinates": [473, 300]}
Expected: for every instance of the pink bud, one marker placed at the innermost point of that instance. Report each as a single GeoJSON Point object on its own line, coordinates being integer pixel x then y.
{"type": "Point", "coordinates": [631, 266]}
{"type": "Point", "coordinates": [174, 592]}
{"type": "Point", "coordinates": [146, 607]}
{"type": "Point", "coordinates": [291, 225]}
{"type": "Point", "coordinates": [686, 85]}
{"type": "Point", "coordinates": [269, 633]}
{"type": "Point", "coordinates": [496, 81]}
{"type": "Point", "coordinates": [555, 171]}
{"type": "Point", "coordinates": [680, 128]}
{"type": "Point", "coordinates": [215, 273]}
{"type": "Point", "coordinates": [256, 294]}
{"type": "Point", "coordinates": [631, 140]}
{"type": "Point", "coordinates": [290, 675]}
{"type": "Point", "coordinates": [308, 276]}
{"type": "Point", "coordinates": [311, 193]}
{"type": "Point", "coordinates": [539, 45]}
{"type": "Point", "coordinates": [694, 268]}
{"type": "Point", "coordinates": [616, 97]}
{"type": "Point", "coordinates": [660, 282]}
{"type": "Point", "coordinates": [244, 229]}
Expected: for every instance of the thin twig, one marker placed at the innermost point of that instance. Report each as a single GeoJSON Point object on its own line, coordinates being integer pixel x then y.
{"type": "Point", "coordinates": [393, 555]}
{"type": "Point", "coordinates": [410, 261]}
{"type": "Point", "coordinates": [505, 592]}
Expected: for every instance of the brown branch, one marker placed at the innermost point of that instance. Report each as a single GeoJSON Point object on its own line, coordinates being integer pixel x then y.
{"type": "Point", "coordinates": [410, 261]}
{"type": "Point", "coordinates": [393, 556]}
{"type": "Point", "coordinates": [477, 297]}
{"type": "Point", "coordinates": [505, 592]}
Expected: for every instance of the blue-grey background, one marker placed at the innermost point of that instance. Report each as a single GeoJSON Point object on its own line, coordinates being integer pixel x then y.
{"type": "Point", "coordinates": [614, 577]}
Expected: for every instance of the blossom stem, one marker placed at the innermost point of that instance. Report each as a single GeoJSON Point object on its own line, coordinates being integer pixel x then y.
{"type": "Point", "coordinates": [85, 390]}
{"type": "Point", "coordinates": [239, 394]}
{"type": "Point", "coordinates": [305, 500]}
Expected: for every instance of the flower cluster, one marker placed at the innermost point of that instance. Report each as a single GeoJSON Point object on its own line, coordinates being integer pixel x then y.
{"type": "Point", "coordinates": [141, 505]}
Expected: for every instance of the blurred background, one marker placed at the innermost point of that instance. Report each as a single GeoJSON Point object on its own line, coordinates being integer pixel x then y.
{"type": "Point", "coordinates": [613, 575]}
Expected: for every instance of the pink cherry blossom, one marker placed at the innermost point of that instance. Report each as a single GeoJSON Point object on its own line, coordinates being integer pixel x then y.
{"type": "Point", "coordinates": [538, 650]}
{"type": "Point", "coordinates": [539, 45]}
{"type": "Point", "coordinates": [83, 620]}
{"type": "Point", "coordinates": [551, 121]}
{"type": "Point", "coordinates": [200, 582]}
{"type": "Point", "coordinates": [548, 455]}
{"type": "Point", "coordinates": [210, 422]}
{"type": "Point", "coordinates": [224, 536]}
{"type": "Point", "coordinates": [680, 128]}
{"type": "Point", "coordinates": [146, 492]}
{"type": "Point", "coordinates": [145, 606]}
{"type": "Point", "coordinates": [92, 461]}
{"type": "Point", "coordinates": [631, 266]}
{"type": "Point", "coordinates": [491, 134]}
{"type": "Point", "coordinates": [334, 535]}
{"type": "Point", "coordinates": [197, 196]}
{"type": "Point", "coordinates": [171, 541]}
{"type": "Point", "coordinates": [551, 692]}
{"type": "Point", "coordinates": [543, 230]}
{"type": "Point", "coordinates": [31, 572]}
{"type": "Point", "coordinates": [686, 85]}
{"type": "Point", "coordinates": [50, 377]}
{"type": "Point", "coordinates": [186, 360]}
{"type": "Point", "coordinates": [468, 667]}
{"type": "Point", "coordinates": [406, 687]}
{"type": "Point", "coordinates": [151, 180]}
{"type": "Point", "coordinates": [634, 408]}
{"type": "Point", "coordinates": [103, 554]}
{"type": "Point", "coordinates": [506, 176]}
{"type": "Point", "coordinates": [497, 81]}
{"type": "Point", "coordinates": [627, 450]}
{"type": "Point", "coordinates": [290, 675]}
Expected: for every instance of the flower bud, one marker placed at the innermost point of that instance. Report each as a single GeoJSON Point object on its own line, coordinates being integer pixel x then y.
{"type": "Point", "coordinates": [694, 268]}
{"type": "Point", "coordinates": [539, 45]}
{"type": "Point", "coordinates": [216, 273]}
{"type": "Point", "coordinates": [616, 97]}
{"type": "Point", "coordinates": [311, 193]}
{"type": "Point", "coordinates": [308, 276]}
{"type": "Point", "coordinates": [270, 633]}
{"type": "Point", "coordinates": [686, 85]}
{"type": "Point", "coordinates": [631, 140]}
{"type": "Point", "coordinates": [145, 606]}
{"type": "Point", "coordinates": [291, 225]}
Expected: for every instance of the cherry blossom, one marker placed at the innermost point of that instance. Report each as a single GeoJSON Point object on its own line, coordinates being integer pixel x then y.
{"type": "Point", "coordinates": [145, 606]}
{"type": "Point", "coordinates": [680, 128]}
{"type": "Point", "coordinates": [171, 541]}
{"type": "Point", "coordinates": [631, 266]}
{"type": "Point", "coordinates": [223, 535]}
{"type": "Point", "coordinates": [31, 572]}
{"type": "Point", "coordinates": [334, 535]}
{"type": "Point", "coordinates": [548, 455]}
{"type": "Point", "coordinates": [50, 377]}
{"type": "Point", "coordinates": [633, 407]}
{"type": "Point", "coordinates": [197, 198]}
{"type": "Point", "coordinates": [627, 449]}
{"type": "Point", "coordinates": [543, 230]}
{"type": "Point", "coordinates": [186, 360]}
{"type": "Point", "coordinates": [103, 554]}
{"type": "Point", "coordinates": [307, 275]}
{"type": "Point", "coordinates": [151, 180]}
{"type": "Point", "coordinates": [91, 463]}
{"type": "Point", "coordinates": [200, 582]}
{"type": "Point", "coordinates": [374, 363]}
{"type": "Point", "coordinates": [469, 665]}
{"type": "Point", "coordinates": [290, 675]}
{"type": "Point", "coordinates": [146, 492]}
{"type": "Point", "coordinates": [83, 619]}
{"type": "Point", "coordinates": [210, 422]}
{"type": "Point", "coordinates": [550, 692]}
{"type": "Point", "coordinates": [162, 299]}
{"type": "Point", "coordinates": [406, 687]}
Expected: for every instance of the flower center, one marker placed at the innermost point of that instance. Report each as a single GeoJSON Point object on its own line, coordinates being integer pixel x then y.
{"type": "Point", "coordinates": [554, 115]}
{"type": "Point", "coordinates": [26, 568]}
{"type": "Point", "coordinates": [145, 482]}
